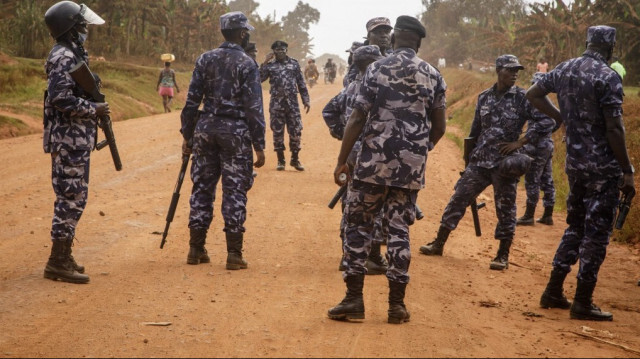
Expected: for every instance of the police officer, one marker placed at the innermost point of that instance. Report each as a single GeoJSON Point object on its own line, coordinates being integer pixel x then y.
{"type": "Point", "coordinates": [501, 113]}
{"type": "Point", "coordinates": [334, 114]}
{"type": "Point", "coordinates": [538, 178]}
{"type": "Point", "coordinates": [379, 34]}
{"type": "Point", "coordinates": [70, 125]}
{"type": "Point", "coordinates": [390, 167]}
{"type": "Point", "coordinates": [590, 96]}
{"type": "Point", "coordinates": [227, 81]}
{"type": "Point", "coordinates": [286, 80]}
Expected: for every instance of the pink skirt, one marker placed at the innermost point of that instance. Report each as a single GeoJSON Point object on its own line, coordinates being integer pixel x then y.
{"type": "Point", "coordinates": [166, 91]}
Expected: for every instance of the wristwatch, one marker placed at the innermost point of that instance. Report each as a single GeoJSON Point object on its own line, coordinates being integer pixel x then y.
{"type": "Point", "coordinates": [629, 170]}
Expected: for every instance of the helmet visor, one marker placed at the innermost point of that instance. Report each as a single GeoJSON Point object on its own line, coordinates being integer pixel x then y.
{"type": "Point", "coordinates": [89, 16]}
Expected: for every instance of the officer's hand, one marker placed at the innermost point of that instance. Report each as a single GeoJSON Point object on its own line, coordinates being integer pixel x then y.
{"type": "Point", "coordinates": [307, 107]}
{"type": "Point", "coordinates": [259, 160]}
{"type": "Point", "coordinates": [186, 147]}
{"type": "Point", "coordinates": [627, 186]}
{"type": "Point", "coordinates": [102, 109]}
{"type": "Point", "coordinates": [343, 170]}
{"type": "Point", "coordinates": [270, 56]}
{"type": "Point", "coordinates": [508, 147]}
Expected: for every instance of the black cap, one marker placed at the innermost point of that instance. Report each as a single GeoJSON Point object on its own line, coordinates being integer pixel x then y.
{"type": "Point", "coordinates": [279, 43]}
{"type": "Point", "coordinates": [410, 23]}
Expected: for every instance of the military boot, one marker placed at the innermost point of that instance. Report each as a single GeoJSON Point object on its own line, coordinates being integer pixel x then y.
{"type": "Point", "coordinates": [527, 218]}
{"type": "Point", "coordinates": [547, 216]}
{"type": "Point", "coordinates": [436, 247]}
{"type": "Point", "coordinates": [352, 306]}
{"type": "Point", "coordinates": [234, 251]}
{"type": "Point", "coordinates": [295, 162]}
{"type": "Point", "coordinates": [59, 266]}
{"type": "Point", "coordinates": [281, 161]}
{"type": "Point", "coordinates": [77, 267]}
{"type": "Point", "coordinates": [397, 313]}
{"type": "Point", "coordinates": [197, 252]}
{"type": "Point", "coordinates": [376, 264]}
{"type": "Point", "coordinates": [501, 261]}
{"type": "Point", "coordinates": [553, 296]}
{"type": "Point", "coordinates": [583, 307]}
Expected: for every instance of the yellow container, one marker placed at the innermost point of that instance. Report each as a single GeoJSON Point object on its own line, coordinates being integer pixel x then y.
{"type": "Point", "coordinates": [167, 57]}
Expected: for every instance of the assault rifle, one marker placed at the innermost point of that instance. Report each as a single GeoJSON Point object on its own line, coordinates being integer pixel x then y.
{"type": "Point", "coordinates": [469, 144]}
{"type": "Point", "coordinates": [85, 79]}
{"type": "Point", "coordinates": [175, 198]}
{"type": "Point", "coordinates": [623, 209]}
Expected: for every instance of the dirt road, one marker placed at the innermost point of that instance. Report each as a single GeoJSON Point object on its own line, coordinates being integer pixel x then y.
{"type": "Point", "coordinates": [276, 308]}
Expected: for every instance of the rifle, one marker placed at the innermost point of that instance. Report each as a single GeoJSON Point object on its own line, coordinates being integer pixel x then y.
{"type": "Point", "coordinates": [86, 80]}
{"type": "Point", "coordinates": [175, 198]}
{"type": "Point", "coordinates": [623, 209]}
{"type": "Point", "coordinates": [469, 144]}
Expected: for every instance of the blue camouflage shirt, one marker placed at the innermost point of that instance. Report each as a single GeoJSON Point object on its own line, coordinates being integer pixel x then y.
{"type": "Point", "coordinates": [286, 79]}
{"type": "Point", "coordinates": [398, 93]}
{"type": "Point", "coordinates": [500, 120]}
{"type": "Point", "coordinates": [588, 89]}
{"type": "Point", "coordinates": [69, 120]}
{"type": "Point", "coordinates": [227, 81]}
{"type": "Point", "coordinates": [337, 111]}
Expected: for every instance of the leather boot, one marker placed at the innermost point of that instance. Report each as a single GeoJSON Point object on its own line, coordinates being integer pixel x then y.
{"type": "Point", "coordinates": [501, 261]}
{"type": "Point", "coordinates": [553, 296]}
{"type": "Point", "coordinates": [234, 251]}
{"type": "Point", "coordinates": [376, 264]}
{"type": "Point", "coordinates": [59, 266]}
{"type": "Point", "coordinates": [281, 162]}
{"type": "Point", "coordinates": [583, 307]}
{"type": "Point", "coordinates": [435, 248]}
{"type": "Point", "coordinates": [547, 216]}
{"type": "Point", "coordinates": [295, 162]}
{"type": "Point", "coordinates": [397, 312]}
{"type": "Point", "coordinates": [527, 218]}
{"type": "Point", "coordinates": [197, 252]}
{"type": "Point", "coordinates": [77, 267]}
{"type": "Point", "coordinates": [352, 306]}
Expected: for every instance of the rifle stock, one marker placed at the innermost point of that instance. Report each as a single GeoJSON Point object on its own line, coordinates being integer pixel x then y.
{"type": "Point", "coordinates": [174, 198]}
{"type": "Point", "coordinates": [85, 79]}
{"type": "Point", "coordinates": [469, 144]}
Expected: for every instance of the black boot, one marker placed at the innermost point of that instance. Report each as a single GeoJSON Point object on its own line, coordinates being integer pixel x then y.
{"type": "Point", "coordinates": [295, 162]}
{"type": "Point", "coordinates": [501, 261]}
{"type": "Point", "coordinates": [553, 296]}
{"type": "Point", "coordinates": [583, 307]}
{"type": "Point", "coordinates": [234, 251]}
{"type": "Point", "coordinates": [398, 312]}
{"type": "Point", "coordinates": [547, 216]}
{"type": "Point", "coordinates": [59, 266]}
{"type": "Point", "coordinates": [352, 306]}
{"type": "Point", "coordinates": [527, 218]}
{"type": "Point", "coordinates": [77, 267]}
{"type": "Point", "coordinates": [197, 252]}
{"type": "Point", "coordinates": [281, 162]}
{"type": "Point", "coordinates": [435, 248]}
{"type": "Point", "coordinates": [376, 264]}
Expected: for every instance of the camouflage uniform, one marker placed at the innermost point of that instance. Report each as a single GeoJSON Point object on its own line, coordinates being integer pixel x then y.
{"type": "Point", "coordinates": [587, 89]}
{"type": "Point", "coordinates": [286, 81]}
{"type": "Point", "coordinates": [539, 177]}
{"type": "Point", "coordinates": [397, 124]}
{"type": "Point", "coordinates": [70, 129]}
{"type": "Point", "coordinates": [227, 81]}
{"type": "Point", "coordinates": [496, 121]}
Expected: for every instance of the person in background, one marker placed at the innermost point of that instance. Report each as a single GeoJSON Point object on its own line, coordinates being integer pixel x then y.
{"type": "Point", "coordinates": [252, 51]}
{"type": "Point", "coordinates": [590, 95]}
{"type": "Point", "coordinates": [617, 66]}
{"type": "Point", "coordinates": [70, 125]}
{"type": "Point", "coordinates": [542, 66]}
{"type": "Point", "coordinates": [166, 83]}
{"type": "Point", "coordinates": [379, 34]}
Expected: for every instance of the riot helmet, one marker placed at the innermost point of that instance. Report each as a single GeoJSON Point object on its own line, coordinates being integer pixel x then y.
{"type": "Point", "coordinates": [64, 15]}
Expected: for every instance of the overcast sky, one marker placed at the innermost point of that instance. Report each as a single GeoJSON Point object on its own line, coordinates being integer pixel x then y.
{"type": "Point", "coordinates": [342, 21]}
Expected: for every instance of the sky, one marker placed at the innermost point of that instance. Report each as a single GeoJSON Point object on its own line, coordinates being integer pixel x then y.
{"type": "Point", "coordinates": [342, 21]}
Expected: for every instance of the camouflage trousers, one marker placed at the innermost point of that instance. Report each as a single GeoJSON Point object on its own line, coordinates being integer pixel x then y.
{"type": "Point", "coordinates": [473, 181]}
{"type": "Point", "coordinates": [216, 155]}
{"type": "Point", "coordinates": [540, 176]}
{"type": "Point", "coordinates": [591, 210]}
{"type": "Point", "coordinates": [284, 112]}
{"type": "Point", "coordinates": [70, 181]}
{"type": "Point", "coordinates": [364, 202]}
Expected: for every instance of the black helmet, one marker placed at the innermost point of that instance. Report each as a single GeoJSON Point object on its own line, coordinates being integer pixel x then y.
{"type": "Point", "coordinates": [64, 15]}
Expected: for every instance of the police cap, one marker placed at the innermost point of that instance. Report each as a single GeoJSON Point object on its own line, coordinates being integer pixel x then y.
{"type": "Point", "coordinates": [377, 22]}
{"type": "Point", "coordinates": [368, 52]}
{"type": "Point", "coordinates": [279, 43]}
{"type": "Point", "coordinates": [234, 20]}
{"type": "Point", "coordinates": [410, 23]}
{"type": "Point", "coordinates": [508, 61]}
{"type": "Point", "coordinates": [601, 34]}
{"type": "Point", "coordinates": [354, 46]}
